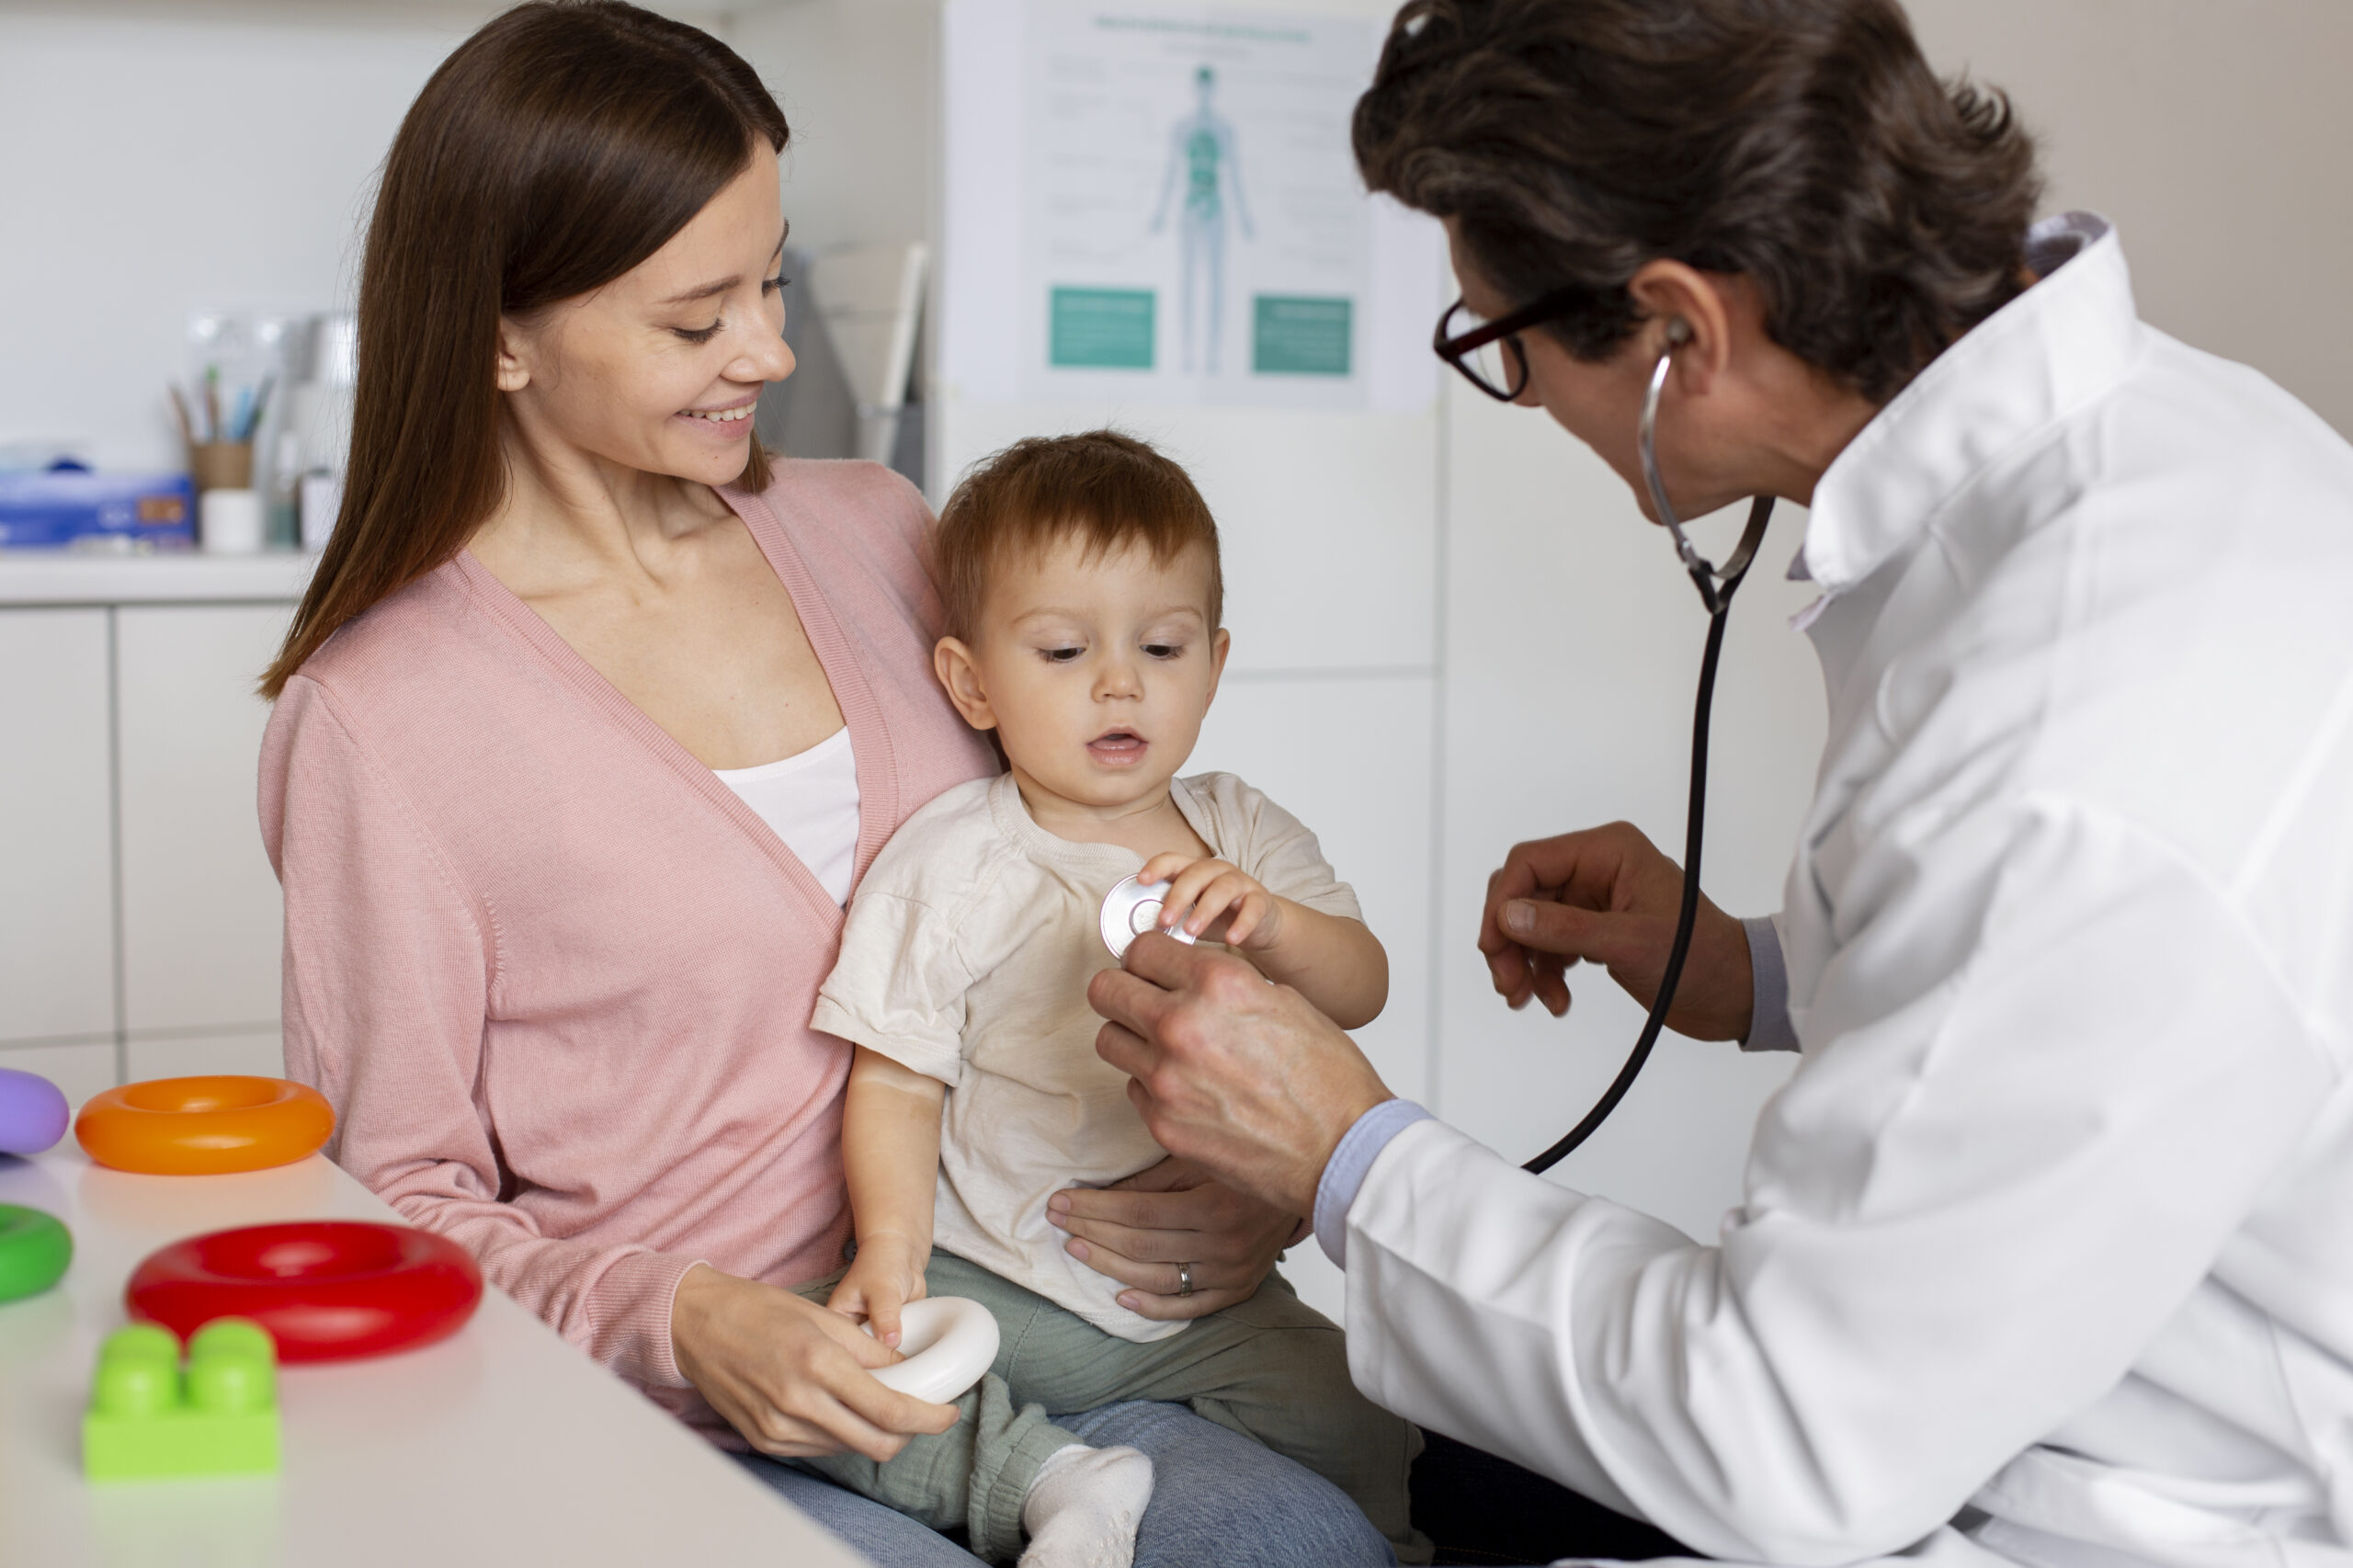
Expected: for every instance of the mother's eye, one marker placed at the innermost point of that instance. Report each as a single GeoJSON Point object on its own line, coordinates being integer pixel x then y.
{"type": "Point", "coordinates": [699, 335]}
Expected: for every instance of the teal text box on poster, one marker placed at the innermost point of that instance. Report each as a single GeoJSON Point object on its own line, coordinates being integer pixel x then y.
{"type": "Point", "coordinates": [1297, 335]}
{"type": "Point", "coordinates": [1100, 329]}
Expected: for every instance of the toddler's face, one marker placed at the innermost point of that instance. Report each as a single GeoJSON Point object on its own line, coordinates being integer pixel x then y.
{"type": "Point", "coordinates": [1096, 673]}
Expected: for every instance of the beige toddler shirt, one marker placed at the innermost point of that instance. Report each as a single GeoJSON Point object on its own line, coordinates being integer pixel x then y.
{"type": "Point", "coordinates": [966, 958]}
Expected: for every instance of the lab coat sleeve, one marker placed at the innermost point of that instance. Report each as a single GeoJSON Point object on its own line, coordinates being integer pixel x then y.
{"type": "Point", "coordinates": [390, 966]}
{"type": "Point", "coordinates": [1990, 1184]}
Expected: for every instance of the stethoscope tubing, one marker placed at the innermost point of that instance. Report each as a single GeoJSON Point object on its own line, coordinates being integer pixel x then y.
{"type": "Point", "coordinates": [1716, 589]}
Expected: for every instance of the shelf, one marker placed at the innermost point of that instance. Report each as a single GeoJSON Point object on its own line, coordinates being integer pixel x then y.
{"type": "Point", "coordinates": [30, 577]}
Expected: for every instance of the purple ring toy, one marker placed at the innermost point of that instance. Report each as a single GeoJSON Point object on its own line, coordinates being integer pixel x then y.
{"type": "Point", "coordinates": [33, 1112]}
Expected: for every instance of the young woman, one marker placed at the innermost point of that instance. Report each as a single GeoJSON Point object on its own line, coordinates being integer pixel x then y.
{"type": "Point", "coordinates": [590, 722]}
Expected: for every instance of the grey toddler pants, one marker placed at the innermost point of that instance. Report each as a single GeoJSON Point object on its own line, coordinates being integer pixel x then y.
{"type": "Point", "coordinates": [1270, 1368]}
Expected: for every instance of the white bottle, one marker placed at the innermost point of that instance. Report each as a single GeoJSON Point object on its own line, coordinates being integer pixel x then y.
{"type": "Point", "coordinates": [229, 522]}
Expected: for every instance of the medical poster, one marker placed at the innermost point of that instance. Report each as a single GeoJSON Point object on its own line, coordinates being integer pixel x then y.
{"type": "Point", "coordinates": [1191, 227]}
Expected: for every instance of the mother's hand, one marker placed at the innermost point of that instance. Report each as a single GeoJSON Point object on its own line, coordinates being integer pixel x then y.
{"type": "Point", "coordinates": [1608, 896]}
{"type": "Point", "coordinates": [789, 1375]}
{"type": "Point", "coordinates": [1239, 1076]}
{"type": "Point", "coordinates": [1140, 1230]}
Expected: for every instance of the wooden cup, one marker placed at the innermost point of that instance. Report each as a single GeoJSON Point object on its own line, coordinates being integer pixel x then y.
{"type": "Point", "coordinates": [221, 465]}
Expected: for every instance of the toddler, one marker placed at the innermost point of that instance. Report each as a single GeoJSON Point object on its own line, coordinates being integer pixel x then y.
{"type": "Point", "coordinates": [1083, 589]}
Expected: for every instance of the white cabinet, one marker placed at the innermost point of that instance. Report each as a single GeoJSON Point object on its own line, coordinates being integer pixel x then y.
{"type": "Point", "coordinates": [260, 1051]}
{"type": "Point", "coordinates": [139, 925]}
{"type": "Point", "coordinates": [80, 1071]}
{"type": "Point", "coordinates": [56, 901]}
{"type": "Point", "coordinates": [202, 922]}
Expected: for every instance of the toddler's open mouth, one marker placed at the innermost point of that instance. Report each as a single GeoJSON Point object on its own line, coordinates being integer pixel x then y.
{"type": "Point", "coordinates": [1118, 749]}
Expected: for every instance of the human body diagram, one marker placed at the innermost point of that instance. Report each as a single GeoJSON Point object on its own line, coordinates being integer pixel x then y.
{"type": "Point", "coordinates": [1201, 159]}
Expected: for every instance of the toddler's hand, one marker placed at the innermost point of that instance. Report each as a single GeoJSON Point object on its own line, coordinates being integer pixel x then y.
{"type": "Point", "coordinates": [1205, 892]}
{"type": "Point", "coordinates": [886, 1275]}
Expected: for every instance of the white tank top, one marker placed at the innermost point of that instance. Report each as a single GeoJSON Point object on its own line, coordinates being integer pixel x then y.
{"type": "Point", "coordinates": [811, 799]}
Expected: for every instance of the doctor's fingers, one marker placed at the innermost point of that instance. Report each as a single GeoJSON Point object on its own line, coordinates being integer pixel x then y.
{"type": "Point", "coordinates": [1562, 934]}
{"type": "Point", "coordinates": [1171, 995]}
{"type": "Point", "coordinates": [1157, 972]}
{"type": "Point", "coordinates": [1609, 868]}
{"type": "Point", "coordinates": [1537, 977]}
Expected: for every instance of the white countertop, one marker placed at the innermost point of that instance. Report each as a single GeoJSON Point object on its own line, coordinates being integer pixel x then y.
{"type": "Point", "coordinates": [64, 577]}
{"type": "Point", "coordinates": [500, 1446]}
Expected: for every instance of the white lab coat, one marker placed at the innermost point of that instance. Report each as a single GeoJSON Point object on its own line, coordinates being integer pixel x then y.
{"type": "Point", "coordinates": [2045, 1252]}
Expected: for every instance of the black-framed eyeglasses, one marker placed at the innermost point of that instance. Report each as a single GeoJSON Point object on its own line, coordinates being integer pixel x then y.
{"type": "Point", "coordinates": [1488, 353]}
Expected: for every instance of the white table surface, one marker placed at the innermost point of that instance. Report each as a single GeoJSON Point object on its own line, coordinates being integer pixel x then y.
{"type": "Point", "coordinates": [502, 1445]}
{"type": "Point", "coordinates": [64, 577]}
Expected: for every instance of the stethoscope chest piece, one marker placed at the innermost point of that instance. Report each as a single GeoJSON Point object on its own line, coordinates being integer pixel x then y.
{"type": "Point", "coordinates": [1130, 910]}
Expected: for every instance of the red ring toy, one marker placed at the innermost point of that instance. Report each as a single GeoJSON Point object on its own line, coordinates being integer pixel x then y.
{"type": "Point", "coordinates": [326, 1290]}
{"type": "Point", "coordinates": [204, 1126]}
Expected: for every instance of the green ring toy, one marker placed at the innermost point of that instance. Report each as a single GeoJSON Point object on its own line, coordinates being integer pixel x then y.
{"type": "Point", "coordinates": [34, 1250]}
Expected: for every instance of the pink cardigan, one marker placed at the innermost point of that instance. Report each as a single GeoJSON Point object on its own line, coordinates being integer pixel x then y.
{"type": "Point", "coordinates": [555, 976]}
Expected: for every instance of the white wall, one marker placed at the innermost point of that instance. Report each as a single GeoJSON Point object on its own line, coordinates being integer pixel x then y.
{"type": "Point", "coordinates": [159, 156]}
{"type": "Point", "coordinates": [855, 81]}
{"type": "Point", "coordinates": [2215, 136]}
{"type": "Point", "coordinates": [158, 161]}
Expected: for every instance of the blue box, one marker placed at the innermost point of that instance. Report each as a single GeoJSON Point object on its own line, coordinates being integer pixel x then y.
{"type": "Point", "coordinates": [66, 507]}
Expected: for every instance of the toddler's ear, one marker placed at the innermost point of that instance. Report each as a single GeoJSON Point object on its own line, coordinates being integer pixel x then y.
{"type": "Point", "coordinates": [1220, 647]}
{"type": "Point", "coordinates": [958, 672]}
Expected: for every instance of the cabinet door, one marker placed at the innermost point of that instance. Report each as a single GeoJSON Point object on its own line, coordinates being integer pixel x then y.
{"type": "Point", "coordinates": [203, 923]}
{"type": "Point", "coordinates": [56, 873]}
{"type": "Point", "coordinates": [78, 1071]}
{"type": "Point", "coordinates": [258, 1052]}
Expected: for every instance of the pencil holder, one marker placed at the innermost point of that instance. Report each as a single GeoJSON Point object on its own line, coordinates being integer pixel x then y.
{"type": "Point", "coordinates": [221, 465]}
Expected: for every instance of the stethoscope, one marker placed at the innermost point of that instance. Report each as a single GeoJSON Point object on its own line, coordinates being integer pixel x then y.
{"type": "Point", "coordinates": [1716, 585]}
{"type": "Point", "coordinates": [1133, 908]}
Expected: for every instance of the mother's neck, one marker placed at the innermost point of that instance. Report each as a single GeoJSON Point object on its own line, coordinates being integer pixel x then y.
{"type": "Point", "coordinates": [570, 516]}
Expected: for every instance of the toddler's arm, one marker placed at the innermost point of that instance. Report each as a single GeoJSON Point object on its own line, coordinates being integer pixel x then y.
{"type": "Point", "coordinates": [1336, 963]}
{"type": "Point", "coordinates": [891, 1153]}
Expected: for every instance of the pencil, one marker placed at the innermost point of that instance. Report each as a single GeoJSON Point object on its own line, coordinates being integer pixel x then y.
{"type": "Point", "coordinates": [179, 412]}
{"type": "Point", "coordinates": [261, 406]}
{"type": "Point", "coordinates": [212, 403]}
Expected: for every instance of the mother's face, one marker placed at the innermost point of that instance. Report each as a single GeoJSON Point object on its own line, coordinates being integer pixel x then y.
{"type": "Point", "coordinates": [659, 370]}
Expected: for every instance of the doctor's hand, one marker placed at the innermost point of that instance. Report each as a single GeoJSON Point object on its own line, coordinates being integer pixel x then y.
{"type": "Point", "coordinates": [1607, 895]}
{"type": "Point", "coordinates": [1240, 1076]}
{"type": "Point", "coordinates": [789, 1374]}
{"type": "Point", "coordinates": [1141, 1231]}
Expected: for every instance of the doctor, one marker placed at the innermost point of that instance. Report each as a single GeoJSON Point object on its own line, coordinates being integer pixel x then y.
{"type": "Point", "coordinates": [2045, 1253]}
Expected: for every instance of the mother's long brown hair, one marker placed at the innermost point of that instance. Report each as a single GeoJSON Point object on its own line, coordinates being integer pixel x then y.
{"type": "Point", "coordinates": [559, 146]}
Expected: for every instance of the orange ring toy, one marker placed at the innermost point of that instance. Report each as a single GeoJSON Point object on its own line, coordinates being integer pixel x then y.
{"type": "Point", "coordinates": [204, 1126]}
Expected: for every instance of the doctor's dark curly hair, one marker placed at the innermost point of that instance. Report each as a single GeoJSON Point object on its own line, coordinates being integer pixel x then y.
{"type": "Point", "coordinates": [1805, 143]}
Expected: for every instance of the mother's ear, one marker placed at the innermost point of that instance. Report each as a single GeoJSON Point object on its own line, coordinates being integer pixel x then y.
{"type": "Point", "coordinates": [954, 664]}
{"type": "Point", "coordinates": [512, 370]}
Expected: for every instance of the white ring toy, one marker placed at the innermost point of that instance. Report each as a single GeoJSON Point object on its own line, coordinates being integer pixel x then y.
{"type": "Point", "coordinates": [949, 1342]}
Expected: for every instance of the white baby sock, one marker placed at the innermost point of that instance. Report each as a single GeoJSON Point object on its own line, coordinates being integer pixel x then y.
{"type": "Point", "coordinates": [1084, 1507]}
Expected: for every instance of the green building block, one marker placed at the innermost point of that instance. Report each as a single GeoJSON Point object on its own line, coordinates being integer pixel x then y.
{"type": "Point", "coordinates": [148, 1420]}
